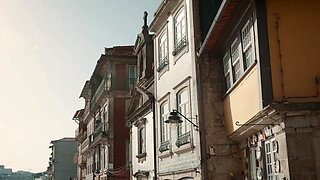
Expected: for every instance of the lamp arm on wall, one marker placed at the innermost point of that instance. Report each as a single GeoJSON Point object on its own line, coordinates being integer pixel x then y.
{"type": "Point", "coordinates": [187, 118]}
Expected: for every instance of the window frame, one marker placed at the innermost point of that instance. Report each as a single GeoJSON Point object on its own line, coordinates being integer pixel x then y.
{"type": "Point", "coordinates": [132, 77]}
{"type": "Point", "coordinates": [236, 65]}
{"type": "Point", "coordinates": [270, 159]}
{"type": "Point", "coordinates": [164, 127]}
{"type": "Point", "coordinates": [180, 29]}
{"type": "Point", "coordinates": [141, 138]}
{"type": "Point", "coordinates": [184, 108]}
{"type": "Point", "coordinates": [163, 59]}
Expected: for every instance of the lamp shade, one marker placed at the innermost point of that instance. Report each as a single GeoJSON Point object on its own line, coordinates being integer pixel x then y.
{"type": "Point", "coordinates": [173, 118]}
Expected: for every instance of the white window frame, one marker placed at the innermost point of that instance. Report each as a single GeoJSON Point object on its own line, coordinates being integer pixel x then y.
{"type": "Point", "coordinates": [236, 59]}
{"type": "Point", "coordinates": [247, 40]}
{"type": "Point", "coordinates": [180, 31]}
{"type": "Point", "coordinates": [270, 151]}
{"type": "Point", "coordinates": [227, 70]}
{"type": "Point", "coordinates": [240, 55]}
{"type": "Point", "coordinates": [180, 25]}
{"type": "Point", "coordinates": [141, 132]}
{"type": "Point", "coordinates": [183, 106]}
{"type": "Point", "coordinates": [164, 127]}
{"type": "Point", "coordinates": [162, 51]}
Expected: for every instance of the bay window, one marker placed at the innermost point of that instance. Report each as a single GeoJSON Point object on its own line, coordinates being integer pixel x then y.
{"type": "Point", "coordinates": [239, 56]}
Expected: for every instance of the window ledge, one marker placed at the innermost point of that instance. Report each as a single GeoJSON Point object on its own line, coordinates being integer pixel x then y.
{"type": "Point", "coordinates": [141, 157]}
{"type": "Point", "coordinates": [165, 150]}
{"type": "Point", "coordinates": [184, 148]}
{"type": "Point", "coordinates": [235, 85]}
{"type": "Point", "coordinates": [165, 154]}
{"type": "Point", "coordinates": [183, 139]}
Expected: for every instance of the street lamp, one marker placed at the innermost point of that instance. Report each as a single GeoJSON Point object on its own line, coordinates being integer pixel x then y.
{"type": "Point", "coordinates": [175, 117]}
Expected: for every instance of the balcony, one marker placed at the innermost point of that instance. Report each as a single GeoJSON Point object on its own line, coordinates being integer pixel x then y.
{"type": "Point", "coordinates": [162, 63]}
{"type": "Point", "coordinates": [80, 134]}
{"type": "Point", "coordinates": [110, 84]}
{"type": "Point", "coordinates": [183, 139]}
{"type": "Point", "coordinates": [81, 161]}
{"type": "Point", "coordinates": [179, 45]}
{"type": "Point", "coordinates": [100, 134]}
{"type": "Point", "coordinates": [85, 145]}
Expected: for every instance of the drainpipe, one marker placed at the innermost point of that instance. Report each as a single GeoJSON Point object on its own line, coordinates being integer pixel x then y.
{"type": "Point", "coordinates": [202, 131]}
{"type": "Point", "coordinates": [154, 136]}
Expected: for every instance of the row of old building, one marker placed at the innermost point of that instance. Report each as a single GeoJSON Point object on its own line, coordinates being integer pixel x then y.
{"type": "Point", "coordinates": [211, 89]}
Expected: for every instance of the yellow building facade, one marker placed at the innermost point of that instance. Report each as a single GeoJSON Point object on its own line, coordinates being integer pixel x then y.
{"type": "Point", "coordinates": [260, 73]}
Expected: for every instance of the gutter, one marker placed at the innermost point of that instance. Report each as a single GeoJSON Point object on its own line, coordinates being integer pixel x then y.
{"type": "Point", "coordinates": [212, 27]}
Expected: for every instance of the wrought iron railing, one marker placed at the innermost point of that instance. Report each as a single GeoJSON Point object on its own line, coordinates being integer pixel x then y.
{"type": "Point", "coordinates": [180, 45]}
{"type": "Point", "coordinates": [164, 146]}
{"type": "Point", "coordinates": [101, 128]}
{"type": "Point", "coordinates": [183, 139]}
{"type": "Point", "coordinates": [112, 84]}
{"type": "Point", "coordinates": [85, 145]}
{"type": "Point", "coordinates": [162, 63]}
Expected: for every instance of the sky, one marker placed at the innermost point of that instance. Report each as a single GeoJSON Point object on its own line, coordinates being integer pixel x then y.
{"type": "Point", "coordinates": [48, 49]}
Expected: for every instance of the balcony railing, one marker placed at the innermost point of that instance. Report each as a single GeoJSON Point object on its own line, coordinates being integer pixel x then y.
{"type": "Point", "coordinates": [183, 139]}
{"type": "Point", "coordinates": [111, 84]}
{"type": "Point", "coordinates": [180, 45]}
{"type": "Point", "coordinates": [85, 145]}
{"type": "Point", "coordinates": [162, 63]}
{"type": "Point", "coordinates": [80, 134]}
{"type": "Point", "coordinates": [100, 132]}
{"type": "Point", "coordinates": [164, 146]}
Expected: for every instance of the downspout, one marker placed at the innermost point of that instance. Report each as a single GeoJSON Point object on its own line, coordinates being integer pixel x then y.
{"type": "Point", "coordinates": [154, 137]}
{"type": "Point", "coordinates": [202, 131]}
{"type": "Point", "coordinates": [151, 97]}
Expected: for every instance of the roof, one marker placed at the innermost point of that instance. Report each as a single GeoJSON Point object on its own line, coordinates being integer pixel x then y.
{"type": "Point", "coordinates": [160, 16]}
{"type": "Point", "coordinates": [119, 51]}
{"type": "Point", "coordinates": [63, 139]}
{"type": "Point", "coordinates": [116, 51]}
{"type": "Point", "coordinates": [85, 90]}
{"type": "Point", "coordinates": [218, 25]}
{"type": "Point", "coordinates": [78, 114]}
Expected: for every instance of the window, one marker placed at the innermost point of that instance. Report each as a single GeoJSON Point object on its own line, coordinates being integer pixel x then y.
{"type": "Point", "coordinates": [164, 127]}
{"type": "Point", "coordinates": [132, 75]}
{"type": "Point", "coordinates": [180, 39]}
{"type": "Point", "coordinates": [239, 56]}
{"type": "Point", "coordinates": [183, 108]}
{"type": "Point", "coordinates": [236, 60]}
{"type": "Point", "coordinates": [247, 43]}
{"type": "Point", "coordinates": [271, 147]}
{"type": "Point", "coordinates": [163, 51]}
{"type": "Point", "coordinates": [141, 139]}
{"type": "Point", "coordinates": [227, 71]}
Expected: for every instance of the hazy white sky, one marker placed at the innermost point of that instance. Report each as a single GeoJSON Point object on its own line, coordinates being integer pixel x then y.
{"type": "Point", "coordinates": [48, 48]}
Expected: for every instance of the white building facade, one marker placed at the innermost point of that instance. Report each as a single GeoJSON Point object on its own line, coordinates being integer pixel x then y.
{"type": "Point", "coordinates": [178, 152]}
{"type": "Point", "coordinates": [140, 113]}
